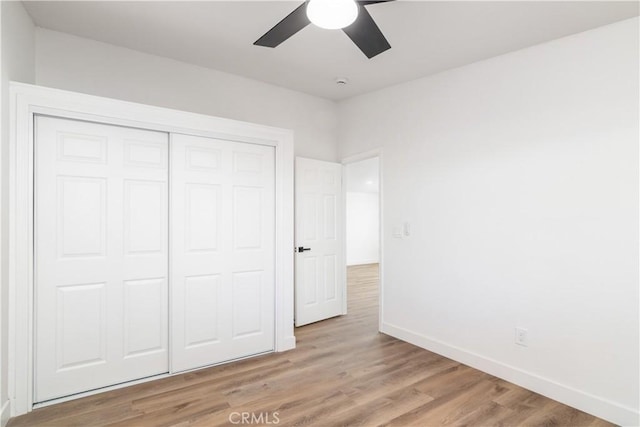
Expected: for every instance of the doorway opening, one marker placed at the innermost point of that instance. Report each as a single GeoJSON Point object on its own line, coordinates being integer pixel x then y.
{"type": "Point", "coordinates": [362, 232]}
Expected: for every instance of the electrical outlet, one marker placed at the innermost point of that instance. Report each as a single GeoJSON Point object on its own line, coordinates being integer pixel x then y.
{"type": "Point", "coordinates": [522, 337]}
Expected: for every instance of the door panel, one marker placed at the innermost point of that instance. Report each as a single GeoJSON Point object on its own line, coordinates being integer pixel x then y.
{"type": "Point", "coordinates": [82, 218]}
{"type": "Point", "coordinates": [320, 284]}
{"type": "Point", "coordinates": [202, 207]}
{"type": "Point", "coordinates": [223, 255]}
{"type": "Point", "coordinates": [144, 217]}
{"type": "Point", "coordinates": [247, 303]}
{"type": "Point", "coordinates": [201, 297]}
{"type": "Point", "coordinates": [144, 317]}
{"type": "Point", "coordinates": [81, 317]}
{"type": "Point", "coordinates": [101, 263]}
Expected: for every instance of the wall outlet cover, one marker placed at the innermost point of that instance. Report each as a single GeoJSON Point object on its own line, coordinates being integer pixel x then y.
{"type": "Point", "coordinates": [522, 337]}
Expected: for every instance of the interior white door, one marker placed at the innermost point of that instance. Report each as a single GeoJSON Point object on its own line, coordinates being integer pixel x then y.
{"type": "Point", "coordinates": [223, 250]}
{"type": "Point", "coordinates": [101, 255]}
{"type": "Point", "coordinates": [319, 277]}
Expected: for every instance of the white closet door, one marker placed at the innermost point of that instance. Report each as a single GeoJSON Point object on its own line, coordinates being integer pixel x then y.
{"type": "Point", "coordinates": [222, 205]}
{"type": "Point", "coordinates": [101, 256]}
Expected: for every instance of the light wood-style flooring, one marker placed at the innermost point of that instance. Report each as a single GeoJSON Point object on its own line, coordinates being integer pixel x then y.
{"type": "Point", "coordinates": [342, 373]}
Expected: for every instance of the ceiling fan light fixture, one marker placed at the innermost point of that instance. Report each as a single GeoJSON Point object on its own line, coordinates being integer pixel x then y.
{"type": "Point", "coordinates": [332, 14]}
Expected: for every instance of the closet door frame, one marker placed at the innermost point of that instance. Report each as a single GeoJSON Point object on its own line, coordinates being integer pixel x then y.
{"type": "Point", "coordinates": [27, 101]}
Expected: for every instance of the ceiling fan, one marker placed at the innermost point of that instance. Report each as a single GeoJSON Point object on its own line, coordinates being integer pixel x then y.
{"type": "Point", "coordinates": [349, 15]}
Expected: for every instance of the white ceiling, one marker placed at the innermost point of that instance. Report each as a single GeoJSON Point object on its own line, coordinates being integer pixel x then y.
{"type": "Point", "coordinates": [426, 36]}
{"type": "Point", "coordinates": [363, 176]}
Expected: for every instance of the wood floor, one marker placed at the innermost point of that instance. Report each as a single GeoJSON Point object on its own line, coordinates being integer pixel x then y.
{"type": "Point", "coordinates": [342, 373]}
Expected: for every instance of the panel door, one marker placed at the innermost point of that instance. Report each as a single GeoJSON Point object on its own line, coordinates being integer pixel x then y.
{"type": "Point", "coordinates": [101, 209]}
{"type": "Point", "coordinates": [222, 205]}
{"type": "Point", "coordinates": [320, 266]}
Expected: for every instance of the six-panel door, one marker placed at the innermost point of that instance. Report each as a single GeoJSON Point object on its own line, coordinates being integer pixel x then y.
{"type": "Point", "coordinates": [320, 284]}
{"type": "Point", "coordinates": [222, 250]}
{"type": "Point", "coordinates": [101, 230]}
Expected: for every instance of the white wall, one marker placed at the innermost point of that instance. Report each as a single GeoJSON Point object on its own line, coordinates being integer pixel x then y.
{"type": "Point", "coordinates": [82, 65]}
{"type": "Point", "coordinates": [519, 176]}
{"type": "Point", "coordinates": [17, 63]}
{"type": "Point", "coordinates": [362, 228]}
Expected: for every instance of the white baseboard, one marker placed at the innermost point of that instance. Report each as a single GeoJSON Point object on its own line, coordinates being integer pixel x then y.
{"type": "Point", "coordinates": [594, 405]}
{"type": "Point", "coordinates": [363, 262]}
{"type": "Point", "coordinates": [5, 413]}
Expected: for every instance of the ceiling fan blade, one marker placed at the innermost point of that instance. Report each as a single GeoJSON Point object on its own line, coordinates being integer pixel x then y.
{"type": "Point", "coordinates": [366, 35]}
{"type": "Point", "coordinates": [368, 2]}
{"type": "Point", "coordinates": [284, 29]}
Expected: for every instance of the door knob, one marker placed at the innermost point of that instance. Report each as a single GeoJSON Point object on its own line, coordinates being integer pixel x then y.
{"type": "Point", "coordinates": [301, 249]}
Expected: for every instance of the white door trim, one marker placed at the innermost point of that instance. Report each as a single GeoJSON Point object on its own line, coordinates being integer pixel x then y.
{"type": "Point", "coordinates": [28, 100]}
{"type": "Point", "coordinates": [377, 152]}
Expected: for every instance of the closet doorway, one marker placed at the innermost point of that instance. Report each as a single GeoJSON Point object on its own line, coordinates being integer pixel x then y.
{"type": "Point", "coordinates": [125, 237]}
{"type": "Point", "coordinates": [145, 238]}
